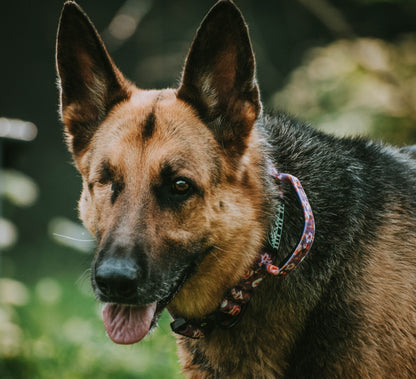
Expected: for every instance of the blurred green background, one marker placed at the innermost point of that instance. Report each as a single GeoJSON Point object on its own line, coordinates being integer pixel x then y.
{"type": "Point", "coordinates": [348, 67]}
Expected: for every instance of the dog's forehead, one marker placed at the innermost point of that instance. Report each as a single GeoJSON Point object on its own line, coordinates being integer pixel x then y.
{"type": "Point", "coordinates": [152, 128]}
{"type": "Point", "coordinates": [157, 116]}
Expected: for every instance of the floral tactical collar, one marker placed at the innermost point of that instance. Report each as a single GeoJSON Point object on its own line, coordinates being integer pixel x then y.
{"type": "Point", "coordinates": [236, 299]}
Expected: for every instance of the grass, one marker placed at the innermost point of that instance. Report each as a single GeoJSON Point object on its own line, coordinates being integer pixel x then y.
{"type": "Point", "coordinates": [54, 330]}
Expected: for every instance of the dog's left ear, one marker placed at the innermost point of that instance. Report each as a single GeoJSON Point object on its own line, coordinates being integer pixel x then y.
{"type": "Point", "coordinates": [219, 76]}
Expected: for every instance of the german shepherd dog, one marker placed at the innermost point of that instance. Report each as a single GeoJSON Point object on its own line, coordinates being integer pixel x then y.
{"type": "Point", "coordinates": [185, 194]}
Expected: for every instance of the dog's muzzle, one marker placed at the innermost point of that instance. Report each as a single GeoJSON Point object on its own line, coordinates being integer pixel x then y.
{"type": "Point", "coordinates": [117, 275]}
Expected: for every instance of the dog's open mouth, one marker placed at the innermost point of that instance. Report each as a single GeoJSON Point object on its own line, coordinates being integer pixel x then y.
{"type": "Point", "coordinates": [127, 324]}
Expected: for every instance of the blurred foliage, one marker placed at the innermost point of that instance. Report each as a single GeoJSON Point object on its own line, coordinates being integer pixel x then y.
{"type": "Point", "coordinates": [53, 331]}
{"type": "Point", "coordinates": [21, 191]}
{"type": "Point", "coordinates": [360, 86]}
{"type": "Point", "coordinates": [346, 66]}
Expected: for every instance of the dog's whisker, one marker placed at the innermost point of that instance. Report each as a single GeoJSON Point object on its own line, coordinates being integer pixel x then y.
{"type": "Point", "coordinates": [72, 238]}
{"type": "Point", "coordinates": [83, 282]}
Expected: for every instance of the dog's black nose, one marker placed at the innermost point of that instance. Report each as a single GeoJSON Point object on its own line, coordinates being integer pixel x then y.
{"type": "Point", "coordinates": [117, 279]}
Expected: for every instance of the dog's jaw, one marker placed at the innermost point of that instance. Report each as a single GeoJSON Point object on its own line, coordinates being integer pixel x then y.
{"type": "Point", "coordinates": [129, 323]}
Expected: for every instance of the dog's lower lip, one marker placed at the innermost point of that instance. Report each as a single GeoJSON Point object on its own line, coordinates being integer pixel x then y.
{"type": "Point", "coordinates": [188, 272]}
{"type": "Point", "coordinates": [182, 280]}
{"type": "Point", "coordinates": [191, 269]}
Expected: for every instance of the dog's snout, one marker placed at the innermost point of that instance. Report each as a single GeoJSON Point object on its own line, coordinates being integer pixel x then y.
{"type": "Point", "coordinates": [118, 278]}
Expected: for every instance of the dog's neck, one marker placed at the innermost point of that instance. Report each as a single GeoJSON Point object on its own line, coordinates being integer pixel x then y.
{"type": "Point", "coordinates": [237, 298]}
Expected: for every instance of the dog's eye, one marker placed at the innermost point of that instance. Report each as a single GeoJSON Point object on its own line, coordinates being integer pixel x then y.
{"type": "Point", "coordinates": [181, 186]}
{"type": "Point", "coordinates": [175, 191]}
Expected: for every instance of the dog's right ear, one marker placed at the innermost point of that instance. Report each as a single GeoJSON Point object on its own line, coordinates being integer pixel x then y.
{"type": "Point", "coordinates": [90, 83]}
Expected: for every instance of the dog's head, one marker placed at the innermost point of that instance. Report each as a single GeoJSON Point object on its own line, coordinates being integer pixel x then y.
{"type": "Point", "coordinates": [172, 189]}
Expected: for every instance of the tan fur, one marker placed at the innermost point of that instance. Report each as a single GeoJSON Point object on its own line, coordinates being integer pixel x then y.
{"type": "Point", "coordinates": [205, 133]}
{"type": "Point", "coordinates": [118, 140]}
{"type": "Point", "coordinates": [388, 299]}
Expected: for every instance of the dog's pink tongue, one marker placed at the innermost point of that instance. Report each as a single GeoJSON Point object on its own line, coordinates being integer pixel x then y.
{"type": "Point", "coordinates": [126, 324]}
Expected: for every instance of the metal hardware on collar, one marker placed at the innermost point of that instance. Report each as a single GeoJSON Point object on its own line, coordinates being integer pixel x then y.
{"type": "Point", "coordinates": [234, 303]}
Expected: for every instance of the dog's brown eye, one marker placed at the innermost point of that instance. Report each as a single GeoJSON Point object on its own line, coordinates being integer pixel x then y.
{"type": "Point", "coordinates": [174, 191]}
{"type": "Point", "coordinates": [181, 186]}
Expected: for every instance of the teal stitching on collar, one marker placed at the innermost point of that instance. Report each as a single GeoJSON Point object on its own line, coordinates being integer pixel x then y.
{"type": "Point", "coordinates": [276, 233]}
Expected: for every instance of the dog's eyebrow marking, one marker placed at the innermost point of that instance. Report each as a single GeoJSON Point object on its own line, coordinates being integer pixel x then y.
{"type": "Point", "coordinates": [106, 172]}
{"type": "Point", "coordinates": [149, 126]}
{"type": "Point", "coordinates": [108, 175]}
{"type": "Point", "coordinates": [150, 122]}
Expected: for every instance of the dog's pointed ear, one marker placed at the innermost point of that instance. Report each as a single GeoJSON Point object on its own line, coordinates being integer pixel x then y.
{"type": "Point", "coordinates": [219, 76]}
{"type": "Point", "coordinates": [90, 83]}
